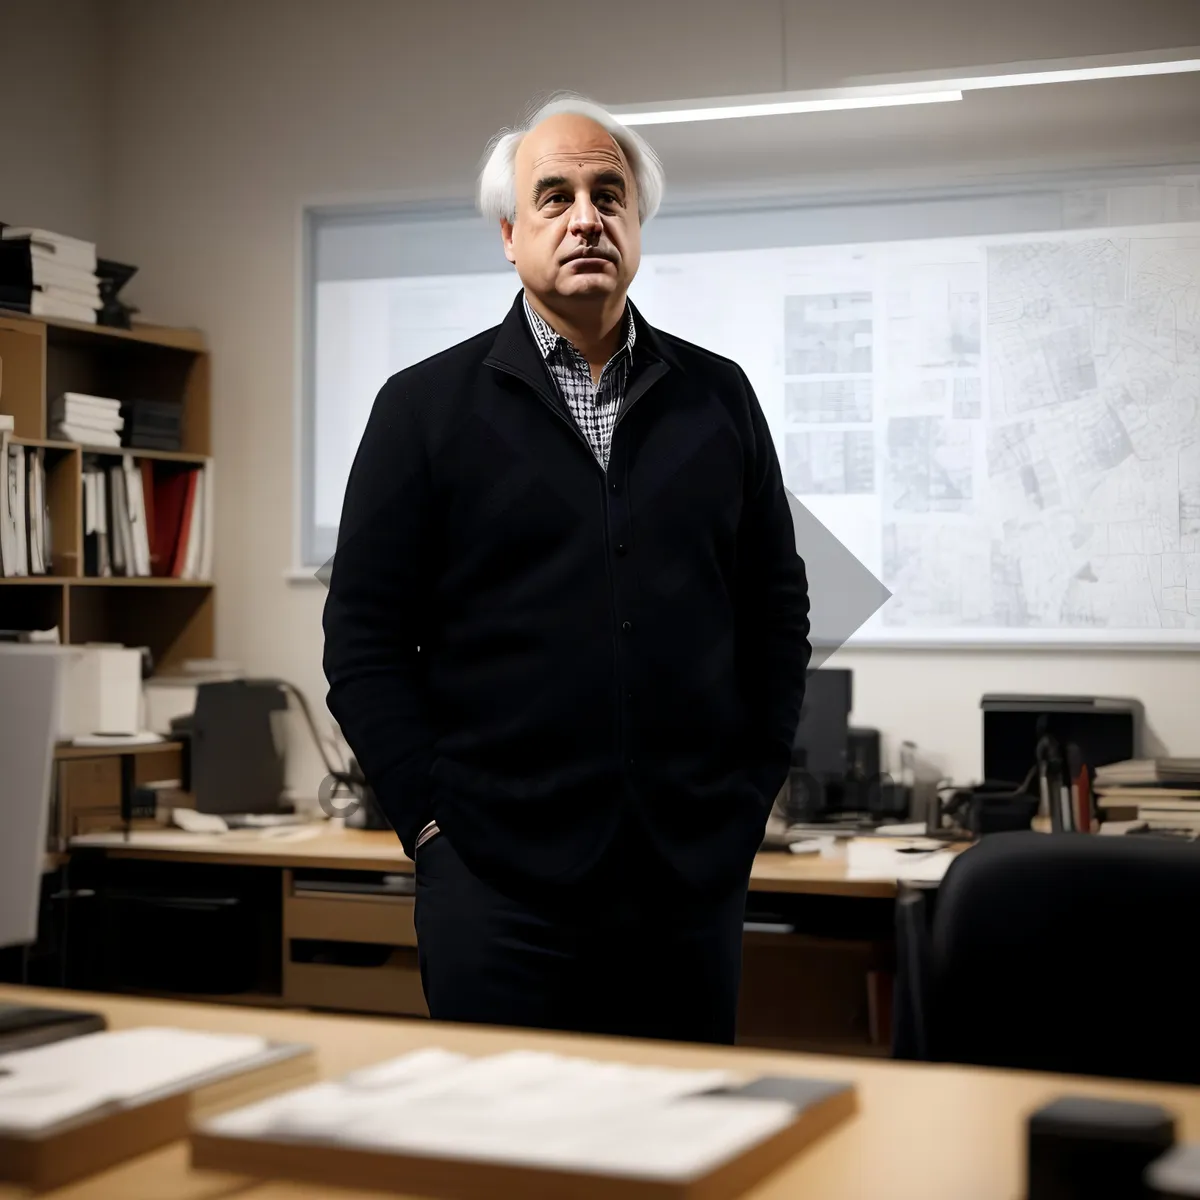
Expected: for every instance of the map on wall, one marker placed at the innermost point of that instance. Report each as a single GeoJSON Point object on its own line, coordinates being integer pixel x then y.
{"type": "Point", "coordinates": [1006, 431]}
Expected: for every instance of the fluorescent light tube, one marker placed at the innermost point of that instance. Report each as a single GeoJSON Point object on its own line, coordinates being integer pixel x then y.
{"type": "Point", "coordinates": [919, 88]}
{"type": "Point", "coordinates": [1075, 74]}
{"type": "Point", "coordinates": [724, 112]}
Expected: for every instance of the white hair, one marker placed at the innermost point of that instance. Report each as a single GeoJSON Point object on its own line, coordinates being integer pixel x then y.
{"type": "Point", "coordinates": [497, 179]}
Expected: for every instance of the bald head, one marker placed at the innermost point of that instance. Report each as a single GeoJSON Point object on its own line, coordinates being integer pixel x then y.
{"type": "Point", "coordinates": [576, 237]}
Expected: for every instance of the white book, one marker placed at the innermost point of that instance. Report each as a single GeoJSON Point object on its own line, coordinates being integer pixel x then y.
{"type": "Point", "coordinates": [34, 502]}
{"type": "Point", "coordinates": [191, 562]}
{"type": "Point", "coordinates": [86, 437]}
{"type": "Point", "coordinates": [88, 418]}
{"type": "Point", "coordinates": [69, 295]}
{"type": "Point", "coordinates": [56, 274]}
{"type": "Point", "coordinates": [134, 498]}
{"type": "Point", "coordinates": [41, 305]}
{"type": "Point", "coordinates": [8, 546]}
{"type": "Point", "coordinates": [57, 246]}
{"type": "Point", "coordinates": [17, 493]}
{"type": "Point", "coordinates": [121, 557]}
{"type": "Point", "coordinates": [104, 403]}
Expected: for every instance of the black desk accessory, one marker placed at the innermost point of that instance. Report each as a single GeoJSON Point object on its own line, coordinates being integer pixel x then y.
{"type": "Point", "coordinates": [23, 1026]}
{"type": "Point", "coordinates": [1083, 1148]}
{"type": "Point", "coordinates": [233, 760]}
{"type": "Point", "coordinates": [112, 277]}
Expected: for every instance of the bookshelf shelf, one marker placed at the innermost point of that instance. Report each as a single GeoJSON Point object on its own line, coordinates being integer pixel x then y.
{"type": "Point", "coordinates": [177, 456]}
{"type": "Point", "coordinates": [66, 751]}
{"type": "Point", "coordinates": [105, 581]}
{"type": "Point", "coordinates": [42, 358]}
{"type": "Point", "coordinates": [166, 336]}
{"type": "Point", "coordinates": [121, 581]}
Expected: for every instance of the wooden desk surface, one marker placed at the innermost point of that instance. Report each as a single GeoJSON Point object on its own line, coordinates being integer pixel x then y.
{"type": "Point", "coordinates": [338, 848]}
{"type": "Point", "coordinates": [921, 1133]}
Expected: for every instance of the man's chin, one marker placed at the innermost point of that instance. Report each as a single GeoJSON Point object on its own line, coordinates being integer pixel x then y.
{"type": "Point", "coordinates": [590, 283]}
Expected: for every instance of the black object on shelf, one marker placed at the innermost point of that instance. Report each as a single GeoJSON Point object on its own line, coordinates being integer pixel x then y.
{"type": "Point", "coordinates": [1084, 1148]}
{"type": "Point", "coordinates": [152, 424]}
{"type": "Point", "coordinates": [113, 276]}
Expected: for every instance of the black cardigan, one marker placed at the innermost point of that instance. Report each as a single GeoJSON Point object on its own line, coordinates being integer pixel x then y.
{"type": "Point", "coordinates": [528, 648]}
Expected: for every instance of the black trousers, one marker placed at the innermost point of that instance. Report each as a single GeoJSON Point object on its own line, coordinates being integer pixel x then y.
{"type": "Point", "coordinates": [623, 954]}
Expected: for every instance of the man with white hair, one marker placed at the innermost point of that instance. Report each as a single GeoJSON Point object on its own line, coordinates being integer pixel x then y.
{"type": "Point", "coordinates": [567, 627]}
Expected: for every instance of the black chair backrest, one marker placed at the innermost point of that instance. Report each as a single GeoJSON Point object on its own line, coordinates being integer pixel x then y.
{"type": "Point", "coordinates": [1071, 953]}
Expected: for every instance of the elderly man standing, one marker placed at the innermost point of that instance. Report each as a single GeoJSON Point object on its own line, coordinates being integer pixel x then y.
{"type": "Point", "coordinates": [567, 627]}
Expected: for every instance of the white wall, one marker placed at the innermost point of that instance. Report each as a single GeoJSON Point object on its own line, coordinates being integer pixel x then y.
{"type": "Point", "coordinates": [53, 114]}
{"type": "Point", "coordinates": [229, 115]}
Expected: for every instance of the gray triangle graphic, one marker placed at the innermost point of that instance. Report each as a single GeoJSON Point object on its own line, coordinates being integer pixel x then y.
{"type": "Point", "coordinates": [842, 593]}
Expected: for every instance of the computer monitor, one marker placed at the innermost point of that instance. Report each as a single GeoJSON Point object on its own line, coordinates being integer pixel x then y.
{"type": "Point", "coordinates": [821, 744]}
{"type": "Point", "coordinates": [30, 688]}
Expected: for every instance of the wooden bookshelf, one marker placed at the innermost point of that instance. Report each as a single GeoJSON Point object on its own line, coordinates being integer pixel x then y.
{"type": "Point", "coordinates": [43, 357]}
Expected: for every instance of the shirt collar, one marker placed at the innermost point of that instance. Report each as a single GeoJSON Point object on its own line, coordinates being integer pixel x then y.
{"type": "Point", "coordinates": [548, 339]}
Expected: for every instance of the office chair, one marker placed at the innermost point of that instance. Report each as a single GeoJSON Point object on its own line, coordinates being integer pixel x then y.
{"type": "Point", "coordinates": [1063, 952]}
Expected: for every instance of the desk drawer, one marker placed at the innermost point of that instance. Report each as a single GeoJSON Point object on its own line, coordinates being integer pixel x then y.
{"type": "Point", "coordinates": [381, 920]}
{"type": "Point", "coordinates": [393, 988]}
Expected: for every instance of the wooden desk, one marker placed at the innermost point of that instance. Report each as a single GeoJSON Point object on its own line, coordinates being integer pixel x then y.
{"type": "Point", "coordinates": [922, 1132]}
{"type": "Point", "coordinates": [816, 971]}
{"type": "Point", "coordinates": [336, 848]}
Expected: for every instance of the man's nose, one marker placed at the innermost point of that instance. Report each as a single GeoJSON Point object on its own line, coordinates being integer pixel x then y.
{"type": "Point", "coordinates": [585, 217]}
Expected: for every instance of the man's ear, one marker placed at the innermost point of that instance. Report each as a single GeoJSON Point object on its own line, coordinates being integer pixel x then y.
{"type": "Point", "coordinates": [506, 234]}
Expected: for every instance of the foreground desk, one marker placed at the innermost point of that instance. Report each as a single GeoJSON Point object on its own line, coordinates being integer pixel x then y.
{"type": "Point", "coordinates": [335, 935]}
{"type": "Point", "coordinates": [921, 1133]}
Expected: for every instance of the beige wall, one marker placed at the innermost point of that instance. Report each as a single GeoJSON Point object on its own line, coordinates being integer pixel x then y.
{"type": "Point", "coordinates": [53, 114]}
{"type": "Point", "coordinates": [229, 115]}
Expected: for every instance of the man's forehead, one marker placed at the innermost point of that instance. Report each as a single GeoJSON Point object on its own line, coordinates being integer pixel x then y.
{"type": "Point", "coordinates": [567, 140]}
{"type": "Point", "coordinates": [602, 157]}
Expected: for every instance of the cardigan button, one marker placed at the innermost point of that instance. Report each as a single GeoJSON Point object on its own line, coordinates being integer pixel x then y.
{"type": "Point", "coordinates": [626, 626]}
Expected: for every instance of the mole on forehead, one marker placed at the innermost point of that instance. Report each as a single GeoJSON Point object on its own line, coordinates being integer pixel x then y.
{"type": "Point", "coordinates": [610, 157]}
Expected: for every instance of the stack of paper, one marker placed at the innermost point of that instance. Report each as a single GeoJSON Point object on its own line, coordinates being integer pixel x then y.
{"type": "Point", "coordinates": [525, 1108]}
{"type": "Point", "coordinates": [47, 1085]}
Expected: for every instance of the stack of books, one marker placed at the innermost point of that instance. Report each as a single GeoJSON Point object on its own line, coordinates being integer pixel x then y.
{"type": "Point", "coordinates": [1160, 793]}
{"type": "Point", "coordinates": [48, 275]}
{"type": "Point", "coordinates": [89, 420]}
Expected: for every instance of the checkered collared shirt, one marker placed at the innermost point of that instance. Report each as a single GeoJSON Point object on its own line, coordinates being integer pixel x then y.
{"type": "Point", "coordinates": [594, 407]}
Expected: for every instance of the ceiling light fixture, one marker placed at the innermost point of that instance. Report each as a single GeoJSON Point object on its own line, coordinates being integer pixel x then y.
{"type": "Point", "coordinates": [713, 111]}
{"type": "Point", "coordinates": [925, 88]}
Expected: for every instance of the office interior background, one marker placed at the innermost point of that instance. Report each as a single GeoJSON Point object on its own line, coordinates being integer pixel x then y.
{"type": "Point", "coordinates": [189, 138]}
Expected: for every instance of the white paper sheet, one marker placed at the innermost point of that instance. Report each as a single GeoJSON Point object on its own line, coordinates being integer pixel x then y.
{"type": "Point", "coordinates": [47, 1084]}
{"type": "Point", "coordinates": [879, 858]}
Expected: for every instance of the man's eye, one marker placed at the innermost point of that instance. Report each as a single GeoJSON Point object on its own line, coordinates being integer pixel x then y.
{"type": "Point", "coordinates": [607, 198]}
